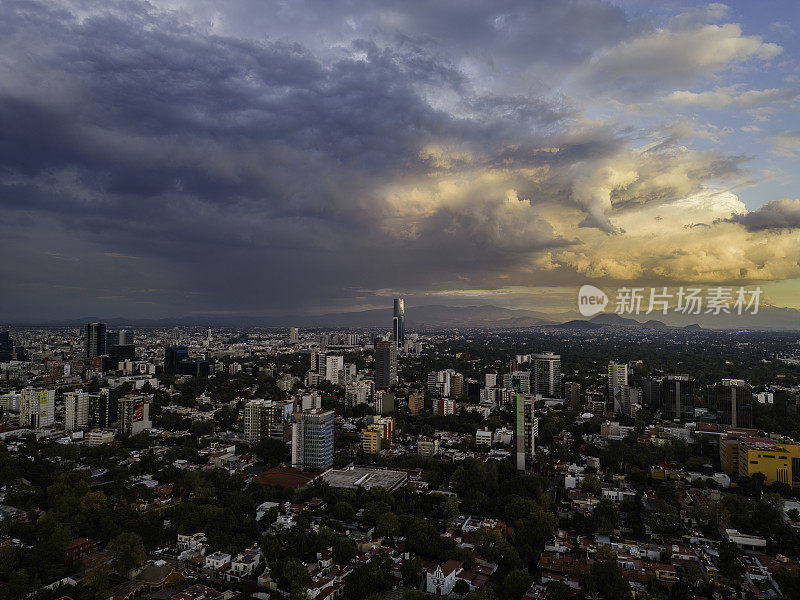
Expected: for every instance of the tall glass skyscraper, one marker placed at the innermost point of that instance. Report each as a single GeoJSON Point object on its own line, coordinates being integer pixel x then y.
{"type": "Point", "coordinates": [399, 322]}
{"type": "Point", "coordinates": [95, 339]}
{"type": "Point", "coordinates": [547, 374]}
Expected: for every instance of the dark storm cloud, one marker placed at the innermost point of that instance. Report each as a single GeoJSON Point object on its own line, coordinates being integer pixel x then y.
{"type": "Point", "coordinates": [154, 139]}
{"type": "Point", "coordinates": [774, 215]}
{"type": "Point", "coordinates": [283, 154]}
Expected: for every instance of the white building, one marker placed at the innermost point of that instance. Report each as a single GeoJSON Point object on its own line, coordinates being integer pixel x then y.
{"type": "Point", "coordinates": [134, 414]}
{"type": "Point", "coordinates": [190, 546]}
{"type": "Point", "coordinates": [37, 408]}
{"type": "Point", "coordinates": [11, 402]}
{"type": "Point", "coordinates": [98, 437]}
{"type": "Point", "coordinates": [483, 436]}
{"type": "Point", "coordinates": [497, 395]}
{"type": "Point", "coordinates": [503, 435]}
{"type": "Point", "coordinates": [76, 410]}
{"type": "Point", "coordinates": [617, 376]}
{"type": "Point", "coordinates": [327, 366]}
{"type": "Point", "coordinates": [359, 392]}
{"type": "Point", "coordinates": [440, 579]}
{"type": "Point", "coordinates": [244, 565]}
{"type": "Point", "coordinates": [217, 561]}
{"type": "Point", "coordinates": [518, 380]}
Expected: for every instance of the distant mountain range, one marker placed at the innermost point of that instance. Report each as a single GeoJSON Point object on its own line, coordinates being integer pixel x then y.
{"type": "Point", "coordinates": [437, 316]}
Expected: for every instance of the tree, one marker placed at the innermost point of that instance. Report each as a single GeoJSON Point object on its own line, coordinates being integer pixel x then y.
{"type": "Point", "coordinates": [516, 584]}
{"type": "Point", "coordinates": [291, 573]}
{"type": "Point", "coordinates": [605, 516]}
{"type": "Point", "coordinates": [127, 552]}
{"type": "Point", "coordinates": [96, 581]}
{"type": "Point", "coordinates": [605, 579]}
{"type": "Point", "coordinates": [387, 525]}
{"type": "Point", "coordinates": [271, 451]}
{"type": "Point", "coordinates": [730, 561]}
{"type": "Point", "coordinates": [591, 485]}
{"type": "Point", "coordinates": [605, 553]}
{"type": "Point", "coordinates": [344, 551]}
{"type": "Point", "coordinates": [449, 507]}
{"type": "Point", "coordinates": [411, 571]}
{"type": "Point", "coordinates": [485, 593]}
{"type": "Point", "coordinates": [681, 591]}
{"type": "Point", "coordinates": [558, 590]}
{"type": "Point", "coordinates": [343, 511]}
{"type": "Point", "coordinates": [369, 579]}
{"type": "Point", "coordinates": [461, 588]}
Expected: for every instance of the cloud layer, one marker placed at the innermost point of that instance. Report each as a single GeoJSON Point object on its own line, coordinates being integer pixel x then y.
{"type": "Point", "coordinates": [165, 158]}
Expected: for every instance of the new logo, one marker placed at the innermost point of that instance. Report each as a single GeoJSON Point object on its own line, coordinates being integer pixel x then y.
{"type": "Point", "coordinates": [591, 300]}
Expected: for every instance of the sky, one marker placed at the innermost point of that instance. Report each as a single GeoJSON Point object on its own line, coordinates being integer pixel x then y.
{"type": "Point", "coordinates": [260, 157]}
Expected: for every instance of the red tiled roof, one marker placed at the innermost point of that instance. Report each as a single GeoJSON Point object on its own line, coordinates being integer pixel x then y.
{"type": "Point", "coordinates": [286, 477]}
{"type": "Point", "coordinates": [449, 566]}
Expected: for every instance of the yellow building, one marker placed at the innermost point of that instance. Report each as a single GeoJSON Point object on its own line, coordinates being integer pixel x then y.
{"type": "Point", "coordinates": [776, 460]}
{"type": "Point", "coordinates": [371, 439]}
{"type": "Point", "coordinates": [729, 455]}
{"type": "Point", "coordinates": [416, 403]}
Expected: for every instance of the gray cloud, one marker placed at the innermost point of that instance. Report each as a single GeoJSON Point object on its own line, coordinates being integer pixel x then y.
{"type": "Point", "coordinates": [774, 215]}
{"type": "Point", "coordinates": [285, 154]}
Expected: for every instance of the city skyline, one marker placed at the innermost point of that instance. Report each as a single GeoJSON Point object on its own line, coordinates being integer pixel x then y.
{"type": "Point", "coordinates": [185, 157]}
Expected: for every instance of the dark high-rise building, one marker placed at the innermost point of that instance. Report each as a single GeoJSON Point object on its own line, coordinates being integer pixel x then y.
{"type": "Point", "coordinates": [385, 364]}
{"type": "Point", "coordinates": [572, 394]}
{"type": "Point", "coordinates": [103, 408]}
{"type": "Point", "coordinates": [399, 322]}
{"type": "Point", "coordinates": [677, 397]}
{"type": "Point", "coordinates": [95, 339]}
{"type": "Point", "coordinates": [525, 432]}
{"type": "Point", "coordinates": [120, 352]}
{"type": "Point", "coordinates": [651, 392]}
{"type": "Point", "coordinates": [195, 366]}
{"type": "Point", "coordinates": [547, 374]}
{"type": "Point", "coordinates": [6, 346]}
{"type": "Point", "coordinates": [123, 337]}
{"type": "Point", "coordinates": [780, 401]}
{"type": "Point", "coordinates": [732, 399]}
{"type": "Point", "coordinates": [173, 355]}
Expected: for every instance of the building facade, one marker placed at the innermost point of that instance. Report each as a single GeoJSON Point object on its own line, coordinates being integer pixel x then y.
{"type": "Point", "coordinates": [312, 439]}
{"type": "Point", "coordinates": [134, 414]}
{"type": "Point", "coordinates": [547, 374]}
{"type": "Point", "coordinates": [385, 363]}
{"type": "Point", "coordinates": [399, 322]}
{"type": "Point", "coordinates": [76, 410]}
{"type": "Point", "coordinates": [677, 397]}
{"type": "Point", "coordinates": [37, 408]}
{"type": "Point", "coordinates": [732, 399]}
{"type": "Point", "coordinates": [264, 419]}
{"type": "Point", "coordinates": [526, 430]}
{"type": "Point", "coordinates": [95, 339]}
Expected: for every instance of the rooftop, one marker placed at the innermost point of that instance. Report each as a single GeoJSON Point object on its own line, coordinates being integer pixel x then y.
{"type": "Point", "coordinates": [365, 478]}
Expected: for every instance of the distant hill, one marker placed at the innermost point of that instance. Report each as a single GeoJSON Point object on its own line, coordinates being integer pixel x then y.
{"type": "Point", "coordinates": [432, 316]}
{"type": "Point", "coordinates": [614, 319]}
{"type": "Point", "coordinates": [578, 324]}
{"type": "Point", "coordinates": [438, 316]}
